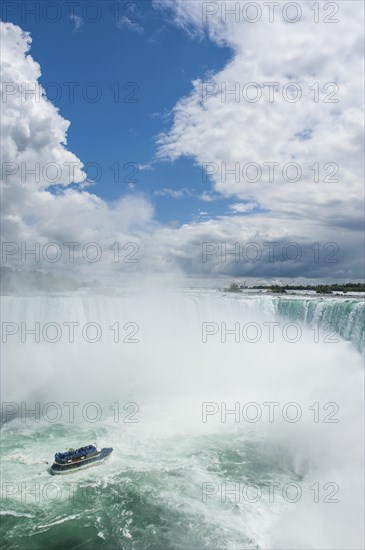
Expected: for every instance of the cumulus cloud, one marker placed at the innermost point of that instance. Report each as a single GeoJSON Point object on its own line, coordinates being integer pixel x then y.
{"type": "Point", "coordinates": [36, 162]}
{"type": "Point", "coordinates": [236, 137]}
{"type": "Point", "coordinates": [40, 202]}
{"type": "Point", "coordinates": [32, 128]}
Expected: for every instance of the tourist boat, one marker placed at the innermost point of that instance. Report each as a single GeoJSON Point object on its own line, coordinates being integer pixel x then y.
{"type": "Point", "coordinates": [74, 459]}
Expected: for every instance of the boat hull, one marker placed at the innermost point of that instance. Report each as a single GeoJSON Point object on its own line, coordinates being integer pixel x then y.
{"type": "Point", "coordinates": [69, 468]}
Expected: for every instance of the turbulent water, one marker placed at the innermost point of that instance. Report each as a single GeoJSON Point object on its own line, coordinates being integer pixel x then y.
{"type": "Point", "coordinates": [180, 384]}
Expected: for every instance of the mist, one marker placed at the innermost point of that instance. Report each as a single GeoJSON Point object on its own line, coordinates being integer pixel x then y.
{"type": "Point", "coordinates": [188, 379]}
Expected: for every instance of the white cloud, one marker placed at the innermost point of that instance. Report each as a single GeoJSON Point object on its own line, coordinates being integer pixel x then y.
{"type": "Point", "coordinates": [77, 21]}
{"type": "Point", "coordinates": [240, 207]}
{"type": "Point", "coordinates": [32, 128]}
{"type": "Point", "coordinates": [228, 132]}
{"type": "Point", "coordinates": [147, 166]}
{"type": "Point", "coordinates": [209, 197]}
{"type": "Point", "coordinates": [174, 193]}
{"type": "Point", "coordinates": [130, 24]}
{"type": "Point", "coordinates": [35, 137]}
{"type": "Point", "coordinates": [34, 132]}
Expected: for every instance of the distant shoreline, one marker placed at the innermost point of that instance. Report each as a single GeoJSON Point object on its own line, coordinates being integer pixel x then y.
{"type": "Point", "coordinates": [340, 290]}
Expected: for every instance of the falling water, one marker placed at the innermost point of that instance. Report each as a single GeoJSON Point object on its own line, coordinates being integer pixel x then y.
{"type": "Point", "coordinates": [176, 383]}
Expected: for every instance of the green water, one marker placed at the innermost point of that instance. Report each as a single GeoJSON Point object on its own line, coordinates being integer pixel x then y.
{"type": "Point", "coordinates": [343, 317]}
{"type": "Point", "coordinates": [149, 495]}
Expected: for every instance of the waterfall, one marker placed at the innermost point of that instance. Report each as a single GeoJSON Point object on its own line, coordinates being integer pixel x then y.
{"type": "Point", "coordinates": [162, 356]}
{"type": "Point", "coordinates": [346, 317]}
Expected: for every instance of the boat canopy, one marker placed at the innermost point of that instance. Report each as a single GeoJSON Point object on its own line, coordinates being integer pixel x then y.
{"type": "Point", "coordinates": [82, 451]}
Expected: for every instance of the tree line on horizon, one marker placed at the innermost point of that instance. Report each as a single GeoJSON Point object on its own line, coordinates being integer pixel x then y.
{"type": "Point", "coordinates": [320, 289]}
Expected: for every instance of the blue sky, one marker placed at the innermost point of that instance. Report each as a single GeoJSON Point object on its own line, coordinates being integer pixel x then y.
{"type": "Point", "coordinates": [161, 61]}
